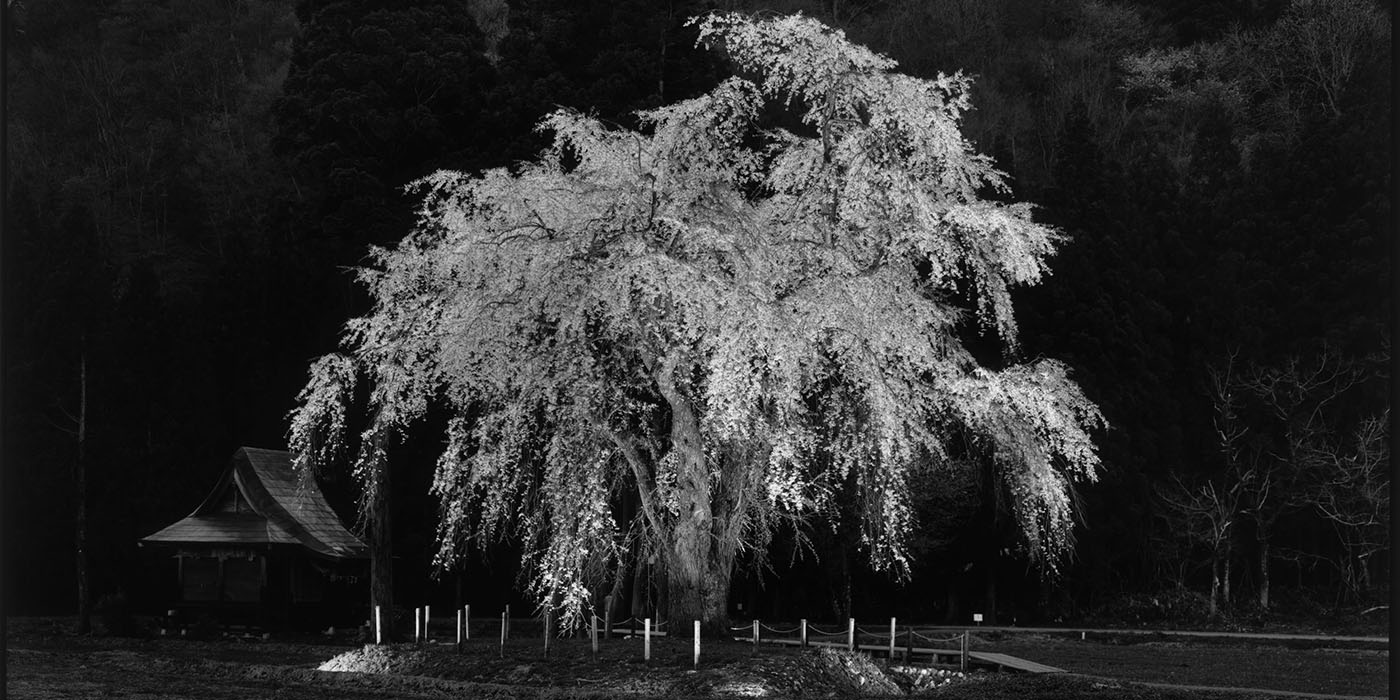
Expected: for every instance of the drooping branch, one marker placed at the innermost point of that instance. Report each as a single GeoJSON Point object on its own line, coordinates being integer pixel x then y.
{"type": "Point", "coordinates": [645, 486]}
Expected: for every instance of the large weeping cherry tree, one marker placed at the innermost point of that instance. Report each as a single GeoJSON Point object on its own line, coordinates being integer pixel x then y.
{"type": "Point", "coordinates": [722, 324]}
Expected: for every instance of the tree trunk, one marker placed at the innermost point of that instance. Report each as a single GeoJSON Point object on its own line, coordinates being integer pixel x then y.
{"type": "Point", "coordinates": [699, 565]}
{"type": "Point", "coordinates": [990, 605]}
{"type": "Point", "coordinates": [1214, 586]}
{"type": "Point", "coordinates": [614, 599]}
{"type": "Point", "coordinates": [624, 568]}
{"type": "Point", "coordinates": [702, 593]}
{"type": "Point", "coordinates": [80, 486]}
{"type": "Point", "coordinates": [381, 551]}
{"type": "Point", "coordinates": [847, 607]}
{"type": "Point", "coordinates": [951, 614]}
{"type": "Point", "coordinates": [1363, 563]}
{"type": "Point", "coordinates": [663, 591]}
{"type": "Point", "coordinates": [698, 568]}
{"type": "Point", "coordinates": [1264, 573]}
{"type": "Point", "coordinates": [1225, 585]}
{"type": "Point", "coordinates": [834, 599]}
{"type": "Point", "coordinates": [640, 604]}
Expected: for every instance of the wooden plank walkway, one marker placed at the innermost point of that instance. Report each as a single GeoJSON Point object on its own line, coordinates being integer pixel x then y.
{"type": "Point", "coordinates": [1006, 661]}
{"type": "Point", "coordinates": [1181, 633]}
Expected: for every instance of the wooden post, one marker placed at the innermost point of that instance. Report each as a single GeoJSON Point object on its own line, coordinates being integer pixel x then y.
{"type": "Point", "coordinates": [607, 617]}
{"type": "Point", "coordinates": [755, 634]}
{"type": "Point", "coordinates": [466, 623]}
{"type": "Point", "coordinates": [378, 626]}
{"type": "Point", "coordinates": [507, 621]}
{"type": "Point", "coordinates": [909, 646]}
{"type": "Point", "coordinates": [646, 639]}
{"type": "Point", "coordinates": [459, 629]}
{"type": "Point", "coordinates": [892, 636]}
{"type": "Point", "coordinates": [851, 634]}
{"type": "Point", "coordinates": [696, 664]}
{"type": "Point", "coordinates": [417, 625]}
{"type": "Point", "coordinates": [427, 635]}
{"type": "Point", "coordinates": [503, 631]}
{"type": "Point", "coordinates": [962, 663]}
{"type": "Point", "coordinates": [593, 622]}
{"type": "Point", "coordinates": [804, 633]}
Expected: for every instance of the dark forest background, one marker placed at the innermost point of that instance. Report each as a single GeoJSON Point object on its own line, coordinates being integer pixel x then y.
{"type": "Point", "coordinates": [189, 183]}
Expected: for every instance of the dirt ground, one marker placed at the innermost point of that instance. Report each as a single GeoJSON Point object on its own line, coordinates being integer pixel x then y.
{"type": "Point", "coordinates": [171, 669]}
{"type": "Point", "coordinates": [49, 662]}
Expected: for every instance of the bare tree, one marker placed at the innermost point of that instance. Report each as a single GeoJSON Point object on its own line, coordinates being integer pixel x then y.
{"type": "Point", "coordinates": [1321, 42]}
{"type": "Point", "coordinates": [1295, 397]}
{"type": "Point", "coordinates": [1353, 492]}
{"type": "Point", "coordinates": [1242, 474]}
{"type": "Point", "coordinates": [1206, 515]}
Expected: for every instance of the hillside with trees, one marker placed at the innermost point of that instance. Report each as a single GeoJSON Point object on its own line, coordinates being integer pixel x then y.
{"type": "Point", "coordinates": [191, 187]}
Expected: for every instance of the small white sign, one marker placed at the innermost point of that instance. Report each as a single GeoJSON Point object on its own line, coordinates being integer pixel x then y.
{"type": "Point", "coordinates": [977, 617]}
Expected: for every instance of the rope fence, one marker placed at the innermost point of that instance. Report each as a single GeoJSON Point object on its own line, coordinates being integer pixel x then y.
{"type": "Point", "coordinates": [936, 640]}
{"type": "Point", "coordinates": [775, 630]}
{"type": "Point", "coordinates": [857, 638]}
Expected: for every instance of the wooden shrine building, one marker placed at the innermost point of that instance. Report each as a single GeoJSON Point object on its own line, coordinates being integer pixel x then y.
{"type": "Point", "coordinates": [265, 549]}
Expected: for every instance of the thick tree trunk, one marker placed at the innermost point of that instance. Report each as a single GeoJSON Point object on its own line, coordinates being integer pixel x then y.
{"type": "Point", "coordinates": [698, 567]}
{"type": "Point", "coordinates": [699, 564]}
{"type": "Point", "coordinates": [702, 594]}
{"type": "Point", "coordinates": [80, 486]}
{"type": "Point", "coordinates": [381, 552]}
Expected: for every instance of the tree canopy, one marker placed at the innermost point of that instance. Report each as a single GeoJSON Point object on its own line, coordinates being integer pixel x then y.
{"type": "Point", "coordinates": [727, 321]}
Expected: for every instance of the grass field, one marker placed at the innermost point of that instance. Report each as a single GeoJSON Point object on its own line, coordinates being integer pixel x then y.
{"type": "Point", "coordinates": [1286, 666]}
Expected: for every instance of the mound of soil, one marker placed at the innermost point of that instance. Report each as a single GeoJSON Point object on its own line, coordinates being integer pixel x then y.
{"type": "Point", "coordinates": [921, 679]}
{"type": "Point", "coordinates": [816, 673]}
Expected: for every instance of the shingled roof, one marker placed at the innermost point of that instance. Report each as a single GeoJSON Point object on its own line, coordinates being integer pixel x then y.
{"type": "Point", "coordinates": [276, 508]}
